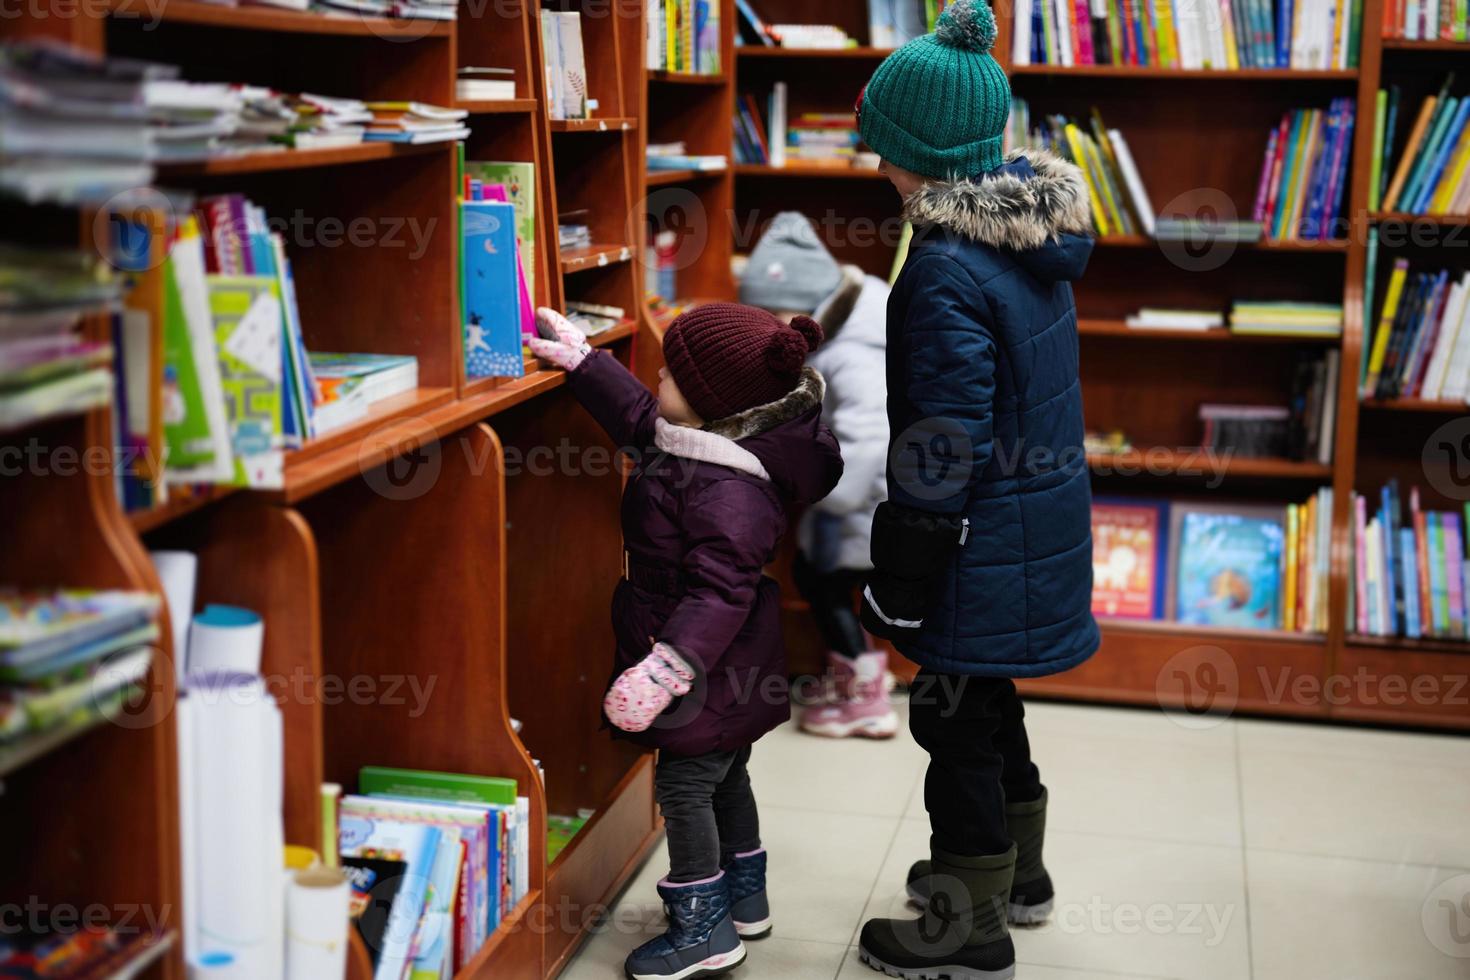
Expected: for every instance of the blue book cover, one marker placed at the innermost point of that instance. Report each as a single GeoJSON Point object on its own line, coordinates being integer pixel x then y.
{"type": "Point", "coordinates": [1409, 572]}
{"type": "Point", "coordinates": [492, 314]}
{"type": "Point", "coordinates": [1437, 126]}
{"type": "Point", "coordinates": [1390, 561]}
{"type": "Point", "coordinates": [1283, 33]}
{"type": "Point", "coordinates": [414, 844]}
{"type": "Point", "coordinates": [1341, 177]}
{"type": "Point", "coordinates": [1228, 566]}
{"type": "Point", "coordinates": [1316, 188]}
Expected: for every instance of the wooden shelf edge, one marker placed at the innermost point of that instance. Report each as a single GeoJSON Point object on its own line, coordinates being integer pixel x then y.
{"type": "Point", "coordinates": [266, 18]}
{"type": "Point", "coordinates": [1199, 463]}
{"type": "Point", "coordinates": [154, 518]}
{"type": "Point", "coordinates": [595, 257]}
{"type": "Point", "coordinates": [1414, 405]}
{"type": "Point", "coordinates": [683, 77]}
{"type": "Point", "coordinates": [610, 124]}
{"type": "Point", "coordinates": [1194, 74]}
{"type": "Point", "coordinates": [816, 54]}
{"type": "Point", "coordinates": [656, 178]}
{"type": "Point", "coordinates": [1193, 633]}
{"type": "Point", "coordinates": [1447, 221]}
{"type": "Point", "coordinates": [1405, 644]}
{"type": "Point", "coordinates": [1219, 335]}
{"type": "Point", "coordinates": [506, 106]}
{"type": "Point", "coordinates": [483, 962]}
{"type": "Point", "coordinates": [798, 170]}
{"type": "Point", "coordinates": [1435, 44]}
{"type": "Point", "coordinates": [283, 160]}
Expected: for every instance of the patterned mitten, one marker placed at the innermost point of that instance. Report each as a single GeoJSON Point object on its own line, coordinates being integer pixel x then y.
{"type": "Point", "coordinates": [643, 691]}
{"type": "Point", "coordinates": [570, 346]}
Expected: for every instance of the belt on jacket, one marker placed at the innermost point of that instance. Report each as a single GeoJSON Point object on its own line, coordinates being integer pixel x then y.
{"type": "Point", "coordinates": [658, 579]}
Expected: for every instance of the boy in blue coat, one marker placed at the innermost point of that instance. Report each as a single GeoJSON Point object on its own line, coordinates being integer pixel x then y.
{"type": "Point", "coordinates": [983, 552]}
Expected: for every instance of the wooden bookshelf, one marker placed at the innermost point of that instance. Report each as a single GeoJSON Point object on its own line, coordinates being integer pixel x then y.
{"type": "Point", "coordinates": [1188, 74]}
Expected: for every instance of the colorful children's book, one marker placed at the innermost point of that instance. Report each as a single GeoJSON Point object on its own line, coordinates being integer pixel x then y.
{"type": "Point", "coordinates": [38, 625]}
{"type": "Point", "coordinates": [414, 844]}
{"type": "Point", "coordinates": [519, 181]}
{"type": "Point", "coordinates": [449, 787]}
{"type": "Point", "coordinates": [1227, 565]}
{"type": "Point", "coordinates": [492, 329]}
{"type": "Point", "coordinates": [247, 327]}
{"type": "Point", "coordinates": [1129, 557]}
{"type": "Point", "coordinates": [374, 885]}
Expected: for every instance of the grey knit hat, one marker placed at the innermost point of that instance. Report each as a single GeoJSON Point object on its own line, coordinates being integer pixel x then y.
{"type": "Point", "coordinates": [790, 270]}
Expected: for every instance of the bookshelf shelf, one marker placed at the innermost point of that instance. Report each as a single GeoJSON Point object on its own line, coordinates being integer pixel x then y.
{"type": "Point", "coordinates": [478, 108]}
{"type": "Point", "coordinates": [594, 257]}
{"type": "Point", "coordinates": [1199, 464]}
{"type": "Point", "coordinates": [153, 518]}
{"type": "Point", "coordinates": [660, 77]}
{"type": "Point", "coordinates": [796, 170]}
{"type": "Point", "coordinates": [598, 125]}
{"type": "Point", "coordinates": [1415, 405]}
{"type": "Point", "coordinates": [284, 160]}
{"type": "Point", "coordinates": [285, 21]}
{"type": "Point", "coordinates": [1216, 335]}
{"type": "Point", "coordinates": [1404, 44]}
{"type": "Point", "coordinates": [1155, 626]}
{"type": "Point", "coordinates": [1404, 644]}
{"type": "Point", "coordinates": [1262, 245]}
{"type": "Point", "coordinates": [816, 54]}
{"type": "Point", "coordinates": [1421, 220]}
{"type": "Point", "coordinates": [1188, 74]}
{"type": "Point", "coordinates": [657, 178]}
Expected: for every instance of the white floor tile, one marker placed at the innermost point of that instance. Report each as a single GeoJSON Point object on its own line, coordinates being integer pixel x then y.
{"type": "Point", "coordinates": [1323, 918]}
{"type": "Point", "coordinates": [1260, 735]}
{"type": "Point", "coordinates": [1403, 809]}
{"type": "Point", "coordinates": [847, 776]}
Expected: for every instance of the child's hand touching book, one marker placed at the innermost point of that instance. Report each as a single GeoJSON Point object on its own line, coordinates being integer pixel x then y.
{"type": "Point", "coordinates": [559, 340]}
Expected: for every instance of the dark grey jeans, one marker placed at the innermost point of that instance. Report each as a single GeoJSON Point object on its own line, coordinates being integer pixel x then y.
{"type": "Point", "coordinates": [709, 811]}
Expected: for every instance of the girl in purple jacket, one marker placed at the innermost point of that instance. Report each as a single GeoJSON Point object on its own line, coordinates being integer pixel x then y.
{"type": "Point", "coordinates": [733, 441]}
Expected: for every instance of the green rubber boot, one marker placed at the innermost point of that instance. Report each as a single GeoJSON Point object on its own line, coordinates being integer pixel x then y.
{"type": "Point", "coordinates": [962, 932]}
{"type": "Point", "coordinates": [1032, 896]}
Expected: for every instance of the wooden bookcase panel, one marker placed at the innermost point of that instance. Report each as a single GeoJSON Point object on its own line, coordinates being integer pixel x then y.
{"type": "Point", "coordinates": [698, 115]}
{"type": "Point", "coordinates": [589, 172]}
{"type": "Point", "coordinates": [857, 220]}
{"type": "Point", "coordinates": [1120, 281]}
{"type": "Point", "coordinates": [496, 34]}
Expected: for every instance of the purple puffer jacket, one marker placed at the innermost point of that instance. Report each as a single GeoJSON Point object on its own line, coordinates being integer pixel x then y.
{"type": "Point", "coordinates": [702, 514]}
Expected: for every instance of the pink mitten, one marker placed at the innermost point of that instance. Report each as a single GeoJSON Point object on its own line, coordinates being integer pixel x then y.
{"type": "Point", "coordinates": [570, 346]}
{"type": "Point", "coordinates": [643, 691]}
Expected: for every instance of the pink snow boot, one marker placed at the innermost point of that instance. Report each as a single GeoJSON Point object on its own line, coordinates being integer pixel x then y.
{"type": "Point", "coordinates": [860, 706]}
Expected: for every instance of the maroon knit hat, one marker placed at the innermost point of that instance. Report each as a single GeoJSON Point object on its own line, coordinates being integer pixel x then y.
{"type": "Point", "coordinates": [726, 357]}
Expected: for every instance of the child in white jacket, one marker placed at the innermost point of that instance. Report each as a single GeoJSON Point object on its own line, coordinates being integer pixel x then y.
{"type": "Point", "coordinates": [790, 272]}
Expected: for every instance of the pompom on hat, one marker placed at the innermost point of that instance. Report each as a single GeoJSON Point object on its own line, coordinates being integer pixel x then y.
{"type": "Point", "coordinates": [938, 105]}
{"type": "Point", "coordinates": [727, 358]}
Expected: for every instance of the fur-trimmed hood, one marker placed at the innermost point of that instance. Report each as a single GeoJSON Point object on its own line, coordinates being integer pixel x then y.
{"type": "Point", "coordinates": [1035, 206]}
{"type": "Point", "coordinates": [785, 436]}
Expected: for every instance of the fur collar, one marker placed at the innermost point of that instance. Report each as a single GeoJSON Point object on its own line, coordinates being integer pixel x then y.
{"type": "Point", "coordinates": [806, 396]}
{"type": "Point", "coordinates": [1004, 211]}
{"type": "Point", "coordinates": [705, 447]}
{"type": "Point", "coordinates": [836, 309]}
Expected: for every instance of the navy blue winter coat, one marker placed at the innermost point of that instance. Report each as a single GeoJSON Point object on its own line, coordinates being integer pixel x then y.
{"type": "Point", "coordinates": [985, 416]}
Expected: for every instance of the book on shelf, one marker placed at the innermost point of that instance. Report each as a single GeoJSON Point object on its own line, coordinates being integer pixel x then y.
{"type": "Point", "coordinates": [893, 23]}
{"type": "Point", "coordinates": [776, 130]}
{"type": "Point", "coordinates": [675, 155]}
{"type": "Point", "coordinates": [1155, 318]}
{"type": "Point", "coordinates": [1408, 567]}
{"type": "Point", "coordinates": [1304, 173]}
{"type": "Point", "coordinates": [565, 63]}
{"type": "Point", "coordinates": [352, 383]}
{"type": "Point", "coordinates": [415, 123]}
{"type": "Point", "coordinates": [88, 951]}
{"type": "Point", "coordinates": [1129, 557]}
{"type": "Point", "coordinates": [1426, 20]}
{"type": "Point", "coordinates": [1286, 319]}
{"type": "Point", "coordinates": [1300, 430]}
{"type": "Point", "coordinates": [561, 829]}
{"type": "Point", "coordinates": [823, 37]}
{"type": "Point", "coordinates": [514, 182]}
{"type": "Point", "coordinates": [750, 28]}
{"type": "Point", "coordinates": [594, 318]}
{"type": "Point", "coordinates": [1215, 34]}
{"type": "Point", "coordinates": [683, 36]}
{"type": "Point", "coordinates": [1430, 172]}
{"type": "Point", "coordinates": [485, 84]}
{"type": "Point", "coordinates": [1202, 231]}
{"type": "Point", "coordinates": [416, 845]}
{"type": "Point", "coordinates": [1119, 202]}
{"type": "Point", "coordinates": [1227, 565]}
{"type": "Point", "coordinates": [373, 886]}
{"type": "Point", "coordinates": [1420, 339]}
{"type": "Point", "coordinates": [491, 275]}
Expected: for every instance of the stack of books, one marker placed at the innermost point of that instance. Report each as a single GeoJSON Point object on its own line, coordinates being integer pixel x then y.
{"type": "Point", "coordinates": [594, 318]}
{"type": "Point", "coordinates": [80, 128]}
{"type": "Point", "coordinates": [1200, 231]}
{"type": "Point", "coordinates": [69, 657]}
{"type": "Point", "coordinates": [1304, 173]}
{"type": "Point", "coordinates": [415, 122]}
{"type": "Point", "coordinates": [444, 859]}
{"type": "Point", "coordinates": [572, 232]}
{"type": "Point", "coordinates": [1234, 566]}
{"type": "Point", "coordinates": [1432, 175]}
{"type": "Point", "coordinates": [822, 138]}
{"type": "Point", "coordinates": [1286, 319]}
{"type": "Point", "coordinates": [1426, 20]}
{"type": "Point", "coordinates": [1302, 429]}
{"type": "Point", "coordinates": [1216, 34]}
{"type": "Point", "coordinates": [567, 85]}
{"type": "Point", "coordinates": [1420, 347]}
{"type": "Point", "coordinates": [303, 122]}
{"type": "Point", "coordinates": [426, 9]}
{"type": "Point", "coordinates": [1409, 572]}
{"type": "Point", "coordinates": [46, 368]}
{"type": "Point", "coordinates": [1120, 202]}
{"type": "Point", "coordinates": [351, 384]}
{"type": "Point", "coordinates": [1154, 318]}
{"type": "Point", "coordinates": [485, 85]}
{"type": "Point", "coordinates": [675, 156]}
{"type": "Point", "coordinates": [683, 36]}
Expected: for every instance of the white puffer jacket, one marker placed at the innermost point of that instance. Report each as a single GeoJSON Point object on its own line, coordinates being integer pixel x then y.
{"type": "Point", "coordinates": [835, 533]}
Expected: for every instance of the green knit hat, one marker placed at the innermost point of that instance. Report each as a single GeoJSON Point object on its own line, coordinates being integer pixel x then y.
{"type": "Point", "coordinates": [938, 105]}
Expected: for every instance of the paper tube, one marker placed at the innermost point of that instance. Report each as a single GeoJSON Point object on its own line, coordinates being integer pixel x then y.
{"type": "Point", "coordinates": [225, 639]}
{"type": "Point", "coordinates": [316, 925]}
{"type": "Point", "coordinates": [178, 571]}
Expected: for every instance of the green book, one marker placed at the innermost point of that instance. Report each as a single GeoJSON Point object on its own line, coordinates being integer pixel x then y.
{"type": "Point", "coordinates": [1370, 280]}
{"type": "Point", "coordinates": [1380, 115]}
{"type": "Point", "coordinates": [519, 180]}
{"type": "Point", "coordinates": [247, 331]}
{"type": "Point", "coordinates": [1355, 32]}
{"type": "Point", "coordinates": [448, 787]}
{"type": "Point", "coordinates": [1424, 162]}
{"type": "Point", "coordinates": [196, 426]}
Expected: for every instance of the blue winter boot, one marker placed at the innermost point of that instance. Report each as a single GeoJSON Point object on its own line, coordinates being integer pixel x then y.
{"type": "Point", "coordinates": [701, 940]}
{"type": "Point", "coordinates": [748, 906]}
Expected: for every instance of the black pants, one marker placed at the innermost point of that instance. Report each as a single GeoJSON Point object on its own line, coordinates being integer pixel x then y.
{"type": "Point", "coordinates": [832, 598]}
{"type": "Point", "coordinates": [974, 730]}
{"type": "Point", "coordinates": [709, 811]}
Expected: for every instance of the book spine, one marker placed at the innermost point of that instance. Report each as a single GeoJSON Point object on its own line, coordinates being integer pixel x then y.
{"type": "Point", "coordinates": [1082, 32]}
{"type": "Point", "coordinates": [1289, 587]}
{"type": "Point", "coordinates": [1411, 151]}
{"type": "Point", "coordinates": [1360, 560]}
{"type": "Point", "coordinates": [1289, 122]}
{"type": "Point", "coordinates": [1375, 172]}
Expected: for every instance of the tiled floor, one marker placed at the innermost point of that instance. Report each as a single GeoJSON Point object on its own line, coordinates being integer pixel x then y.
{"type": "Point", "coordinates": [1247, 849]}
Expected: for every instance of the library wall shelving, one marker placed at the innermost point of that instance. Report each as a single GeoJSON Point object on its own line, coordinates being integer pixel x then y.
{"type": "Point", "coordinates": [1197, 137]}
{"type": "Point", "coordinates": [358, 569]}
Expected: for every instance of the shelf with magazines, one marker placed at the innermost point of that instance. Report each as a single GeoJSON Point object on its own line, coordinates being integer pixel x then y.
{"type": "Point", "coordinates": [273, 19]}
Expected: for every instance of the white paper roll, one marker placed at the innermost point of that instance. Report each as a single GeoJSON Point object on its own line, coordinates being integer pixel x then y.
{"type": "Point", "coordinates": [316, 925]}
{"type": "Point", "coordinates": [237, 780]}
{"type": "Point", "coordinates": [178, 571]}
{"type": "Point", "coordinates": [225, 639]}
{"type": "Point", "coordinates": [188, 824]}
